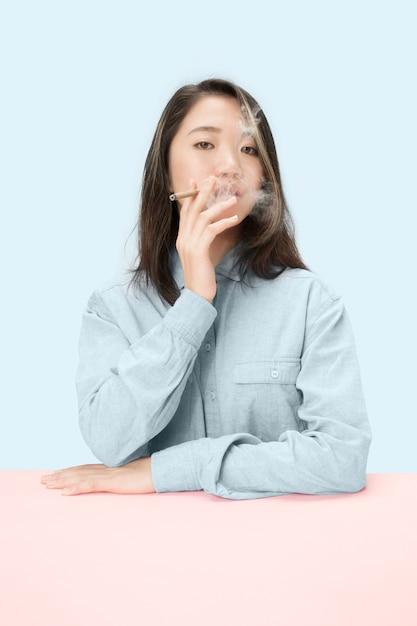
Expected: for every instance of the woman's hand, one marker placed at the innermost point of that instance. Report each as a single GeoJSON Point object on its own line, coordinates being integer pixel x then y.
{"type": "Point", "coordinates": [198, 228]}
{"type": "Point", "coordinates": [134, 477]}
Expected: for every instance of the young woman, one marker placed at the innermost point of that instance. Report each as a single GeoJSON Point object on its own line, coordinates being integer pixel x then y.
{"type": "Point", "coordinates": [224, 364]}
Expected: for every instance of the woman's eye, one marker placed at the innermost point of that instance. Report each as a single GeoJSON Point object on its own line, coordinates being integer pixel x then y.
{"type": "Point", "coordinates": [250, 150]}
{"type": "Point", "coordinates": [204, 145]}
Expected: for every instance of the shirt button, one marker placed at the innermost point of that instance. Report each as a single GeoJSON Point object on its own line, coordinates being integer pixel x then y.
{"type": "Point", "coordinates": [208, 347]}
{"type": "Point", "coordinates": [212, 395]}
{"type": "Point", "coordinates": [274, 373]}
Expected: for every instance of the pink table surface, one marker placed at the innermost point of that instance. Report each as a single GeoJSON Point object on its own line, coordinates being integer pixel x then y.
{"type": "Point", "coordinates": [195, 559]}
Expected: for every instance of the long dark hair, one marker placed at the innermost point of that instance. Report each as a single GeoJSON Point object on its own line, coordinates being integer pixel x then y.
{"type": "Point", "coordinates": [268, 242]}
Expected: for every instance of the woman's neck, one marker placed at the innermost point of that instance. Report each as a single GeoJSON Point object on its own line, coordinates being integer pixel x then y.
{"type": "Point", "coordinates": [222, 245]}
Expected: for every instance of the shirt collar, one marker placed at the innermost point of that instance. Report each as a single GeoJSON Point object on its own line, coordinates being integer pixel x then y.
{"type": "Point", "coordinates": [228, 267]}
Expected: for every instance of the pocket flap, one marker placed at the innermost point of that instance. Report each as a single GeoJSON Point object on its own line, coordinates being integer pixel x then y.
{"type": "Point", "coordinates": [282, 371]}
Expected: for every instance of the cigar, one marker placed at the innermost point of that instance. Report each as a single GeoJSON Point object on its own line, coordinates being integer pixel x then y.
{"type": "Point", "coordinates": [178, 195]}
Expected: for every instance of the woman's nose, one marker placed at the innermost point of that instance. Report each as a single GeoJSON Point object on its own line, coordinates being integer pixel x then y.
{"type": "Point", "coordinates": [228, 164]}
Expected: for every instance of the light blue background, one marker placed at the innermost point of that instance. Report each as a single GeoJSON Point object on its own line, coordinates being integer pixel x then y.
{"type": "Point", "coordinates": [83, 85]}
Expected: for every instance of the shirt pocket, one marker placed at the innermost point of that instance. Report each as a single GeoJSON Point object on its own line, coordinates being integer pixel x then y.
{"type": "Point", "coordinates": [267, 396]}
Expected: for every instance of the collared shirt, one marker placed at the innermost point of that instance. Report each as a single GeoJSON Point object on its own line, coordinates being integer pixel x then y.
{"type": "Point", "coordinates": [257, 394]}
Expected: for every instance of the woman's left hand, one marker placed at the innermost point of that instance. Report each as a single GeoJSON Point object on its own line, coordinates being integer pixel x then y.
{"type": "Point", "coordinates": [134, 477]}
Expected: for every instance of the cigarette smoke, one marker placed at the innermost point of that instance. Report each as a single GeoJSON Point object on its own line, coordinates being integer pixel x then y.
{"type": "Point", "coordinates": [251, 121]}
{"type": "Point", "coordinates": [263, 200]}
{"type": "Point", "coordinates": [223, 190]}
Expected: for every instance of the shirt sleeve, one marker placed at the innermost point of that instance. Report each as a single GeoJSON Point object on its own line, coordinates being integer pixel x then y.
{"type": "Point", "coordinates": [120, 395]}
{"type": "Point", "coordinates": [328, 456]}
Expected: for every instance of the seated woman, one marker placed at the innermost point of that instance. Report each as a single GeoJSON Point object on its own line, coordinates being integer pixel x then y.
{"type": "Point", "coordinates": [223, 364]}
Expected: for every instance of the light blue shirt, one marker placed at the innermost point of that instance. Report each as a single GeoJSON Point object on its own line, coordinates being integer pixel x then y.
{"type": "Point", "coordinates": [258, 394]}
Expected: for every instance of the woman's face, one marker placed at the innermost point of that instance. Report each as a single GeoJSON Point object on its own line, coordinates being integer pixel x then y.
{"type": "Point", "coordinates": [214, 140]}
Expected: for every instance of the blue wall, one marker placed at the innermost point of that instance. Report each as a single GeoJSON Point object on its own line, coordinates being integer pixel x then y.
{"type": "Point", "coordinates": [83, 85]}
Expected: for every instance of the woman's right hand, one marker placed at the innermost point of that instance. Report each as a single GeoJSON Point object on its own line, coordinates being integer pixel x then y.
{"type": "Point", "coordinates": [198, 228]}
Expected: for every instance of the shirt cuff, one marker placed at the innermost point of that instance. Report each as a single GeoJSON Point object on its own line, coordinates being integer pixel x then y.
{"type": "Point", "coordinates": [191, 316]}
{"type": "Point", "coordinates": [175, 468]}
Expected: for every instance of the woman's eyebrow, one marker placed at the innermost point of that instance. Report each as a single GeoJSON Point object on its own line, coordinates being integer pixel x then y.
{"type": "Point", "coordinates": [206, 129]}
